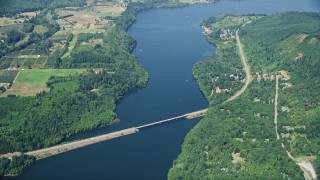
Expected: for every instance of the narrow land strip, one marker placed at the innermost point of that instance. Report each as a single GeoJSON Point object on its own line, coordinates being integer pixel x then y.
{"type": "Point", "coordinates": [43, 153]}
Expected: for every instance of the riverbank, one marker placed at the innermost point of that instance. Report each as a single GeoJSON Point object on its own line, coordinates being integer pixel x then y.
{"type": "Point", "coordinates": [251, 135]}
{"type": "Point", "coordinates": [54, 150]}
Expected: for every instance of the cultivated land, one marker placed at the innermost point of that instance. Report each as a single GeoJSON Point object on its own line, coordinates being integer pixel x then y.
{"type": "Point", "coordinates": [58, 45]}
{"type": "Point", "coordinates": [29, 82]}
{"type": "Point", "coordinates": [42, 75]}
{"type": "Point", "coordinates": [251, 148]}
{"type": "Point", "coordinates": [46, 152]}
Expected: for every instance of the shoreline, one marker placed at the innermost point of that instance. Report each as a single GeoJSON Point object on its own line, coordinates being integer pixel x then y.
{"type": "Point", "coordinates": [58, 149]}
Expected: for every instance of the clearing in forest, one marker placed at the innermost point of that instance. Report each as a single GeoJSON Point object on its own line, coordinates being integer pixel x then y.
{"type": "Point", "coordinates": [32, 81]}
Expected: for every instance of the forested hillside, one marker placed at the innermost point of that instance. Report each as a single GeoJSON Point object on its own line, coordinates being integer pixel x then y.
{"type": "Point", "coordinates": [51, 36]}
{"type": "Point", "coordinates": [74, 103]}
{"type": "Point", "coordinates": [13, 7]}
{"type": "Point", "coordinates": [238, 139]}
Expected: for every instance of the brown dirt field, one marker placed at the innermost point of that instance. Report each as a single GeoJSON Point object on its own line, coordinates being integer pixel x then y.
{"type": "Point", "coordinates": [82, 18]}
{"type": "Point", "coordinates": [112, 9]}
{"type": "Point", "coordinates": [4, 21]}
{"type": "Point", "coordinates": [24, 89]}
{"type": "Point", "coordinates": [78, 31]}
{"type": "Point", "coordinates": [30, 14]}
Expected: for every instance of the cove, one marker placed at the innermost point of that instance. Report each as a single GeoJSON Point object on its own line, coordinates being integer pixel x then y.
{"type": "Point", "coordinates": [170, 42]}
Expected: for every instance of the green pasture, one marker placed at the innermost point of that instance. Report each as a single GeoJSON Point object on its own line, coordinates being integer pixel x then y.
{"type": "Point", "coordinates": [42, 75]}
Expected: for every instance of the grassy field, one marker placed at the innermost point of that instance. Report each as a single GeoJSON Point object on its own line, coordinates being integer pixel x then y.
{"type": "Point", "coordinates": [102, 11]}
{"type": "Point", "coordinates": [5, 21]}
{"type": "Point", "coordinates": [42, 75]}
{"type": "Point", "coordinates": [40, 29]}
{"type": "Point", "coordinates": [32, 81]}
{"type": "Point", "coordinates": [230, 21]}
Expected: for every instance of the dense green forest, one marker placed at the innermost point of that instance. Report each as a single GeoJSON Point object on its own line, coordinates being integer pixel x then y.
{"type": "Point", "coordinates": [237, 139]}
{"type": "Point", "coordinates": [12, 7]}
{"type": "Point", "coordinates": [16, 165]}
{"type": "Point", "coordinates": [234, 140]}
{"type": "Point", "coordinates": [129, 15]}
{"type": "Point", "coordinates": [74, 103]}
{"type": "Point", "coordinates": [294, 49]}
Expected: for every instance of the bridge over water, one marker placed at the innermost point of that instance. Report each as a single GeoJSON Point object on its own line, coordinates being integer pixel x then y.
{"type": "Point", "coordinates": [188, 116]}
{"type": "Point", "coordinates": [54, 150]}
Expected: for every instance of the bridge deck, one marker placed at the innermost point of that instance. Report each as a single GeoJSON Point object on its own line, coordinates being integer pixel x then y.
{"type": "Point", "coordinates": [162, 121]}
{"type": "Point", "coordinates": [190, 115]}
{"type": "Point", "coordinates": [46, 152]}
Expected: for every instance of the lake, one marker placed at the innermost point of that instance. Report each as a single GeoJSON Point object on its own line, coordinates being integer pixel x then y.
{"type": "Point", "coordinates": [170, 42]}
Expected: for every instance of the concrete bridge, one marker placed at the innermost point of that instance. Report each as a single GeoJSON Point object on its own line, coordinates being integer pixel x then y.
{"type": "Point", "coordinates": [58, 149]}
{"type": "Point", "coordinates": [191, 115]}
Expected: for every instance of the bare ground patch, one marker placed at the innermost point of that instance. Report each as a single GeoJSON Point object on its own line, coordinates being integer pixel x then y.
{"type": "Point", "coordinates": [313, 41]}
{"type": "Point", "coordinates": [284, 75]}
{"type": "Point", "coordinates": [29, 14]}
{"type": "Point", "coordinates": [82, 18]}
{"type": "Point", "coordinates": [116, 10]}
{"type": "Point", "coordinates": [25, 89]}
{"type": "Point", "coordinates": [301, 37]}
{"type": "Point", "coordinates": [237, 158]}
{"type": "Point", "coordinates": [299, 56]}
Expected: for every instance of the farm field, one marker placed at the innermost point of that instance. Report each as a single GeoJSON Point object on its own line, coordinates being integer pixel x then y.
{"type": "Point", "coordinates": [29, 63]}
{"type": "Point", "coordinates": [6, 62]}
{"type": "Point", "coordinates": [32, 81]}
{"type": "Point", "coordinates": [42, 75]}
{"type": "Point", "coordinates": [25, 59]}
{"type": "Point", "coordinates": [7, 76]}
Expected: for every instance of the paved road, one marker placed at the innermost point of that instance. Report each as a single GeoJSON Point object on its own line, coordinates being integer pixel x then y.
{"type": "Point", "coordinates": [248, 78]}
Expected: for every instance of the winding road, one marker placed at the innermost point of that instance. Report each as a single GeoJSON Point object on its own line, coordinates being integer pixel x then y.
{"type": "Point", "coordinates": [276, 107]}
{"type": "Point", "coordinates": [248, 78]}
{"type": "Point", "coordinates": [304, 164]}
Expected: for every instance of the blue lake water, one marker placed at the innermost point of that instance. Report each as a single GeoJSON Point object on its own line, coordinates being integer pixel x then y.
{"type": "Point", "coordinates": [170, 42]}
